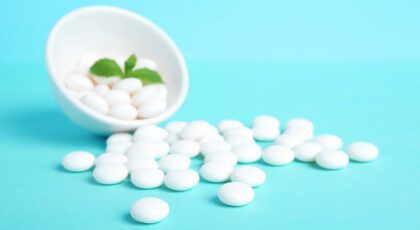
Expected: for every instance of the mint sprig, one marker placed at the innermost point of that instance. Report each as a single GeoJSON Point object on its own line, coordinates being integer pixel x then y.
{"type": "Point", "coordinates": [107, 67]}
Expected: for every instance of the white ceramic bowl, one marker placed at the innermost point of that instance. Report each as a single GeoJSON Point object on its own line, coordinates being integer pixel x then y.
{"type": "Point", "coordinates": [112, 31]}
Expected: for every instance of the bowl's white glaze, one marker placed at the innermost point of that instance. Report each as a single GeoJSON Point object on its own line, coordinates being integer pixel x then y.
{"type": "Point", "coordinates": [112, 31]}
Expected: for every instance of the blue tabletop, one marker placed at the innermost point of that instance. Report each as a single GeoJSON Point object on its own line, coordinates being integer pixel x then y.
{"type": "Point", "coordinates": [371, 101]}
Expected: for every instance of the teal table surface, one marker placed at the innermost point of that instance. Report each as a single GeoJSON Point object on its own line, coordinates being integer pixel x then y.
{"type": "Point", "coordinates": [373, 101]}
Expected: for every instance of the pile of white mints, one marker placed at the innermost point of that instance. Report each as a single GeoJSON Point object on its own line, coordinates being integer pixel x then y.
{"type": "Point", "coordinates": [153, 156]}
{"type": "Point", "coordinates": [124, 99]}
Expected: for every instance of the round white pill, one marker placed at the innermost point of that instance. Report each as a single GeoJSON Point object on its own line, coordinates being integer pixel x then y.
{"type": "Point", "coordinates": [152, 108]}
{"type": "Point", "coordinates": [266, 120]}
{"type": "Point", "coordinates": [117, 97]}
{"type": "Point", "coordinates": [250, 175]}
{"type": "Point", "coordinates": [247, 153]}
{"type": "Point", "coordinates": [362, 151]}
{"type": "Point", "coordinates": [211, 137]}
{"type": "Point", "coordinates": [301, 133]}
{"type": "Point", "coordinates": [149, 210]}
{"type": "Point", "coordinates": [265, 132]}
{"type": "Point", "coordinates": [149, 93]}
{"type": "Point", "coordinates": [137, 163]}
{"type": "Point", "coordinates": [307, 152]}
{"type": "Point", "coordinates": [289, 140]}
{"type": "Point", "coordinates": [215, 171]}
{"type": "Point", "coordinates": [332, 159]}
{"type": "Point", "coordinates": [186, 147]}
{"type": "Point", "coordinates": [222, 157]}
{"type": "Point", "coordinates": [148, 148]}
{"type": "Point", "coordinates": [236, 194]}
{"type": "Point", "coordinates": [300, 123]}
{"type": "Point", "coordinates": [147, 178]}
{"type": "Point", "coordinates": [150, 132]}
{"type": "Point", "coordinates": [110, 173]}
{"type": "Point", "coordinates": [278, 155]}
{"type": "Point", "coordinates": [181, 180]}
{"type": "Point", "coordinates": [238, 140]}
{"type": "Point", "coordinates": [174, 162]}
{"type": "Point", "coordinates": [329, 141]}
{"type": "Point", "coordinates": [215, 146]}
{"type": "Point", "coordinates": [105, 80]}
{"type": "Point", "coordinates": [118, 138]}
{"type": "Point", "coordinates": [224, 125]}
{"type": "Point", "coordinates": [195, 130]}
{"type": "Point", "coordinates": [108, 158]}
{"type": "Point", "coordinates": [146, 63]}
{"type": "Point", "coordinates": [128, 85]}
{"type": "Point", "coordinates": [78, 83]}
{"type": "Point", "coordinates": [78, 161]}
{"type": "Point", "coordinates": [101, 89]}
{"type": "Point", "coordinates": [95, 102]}
{"type": "Point", "coordinates": [125, 112]}
{"type": "Point", "coordinates": [175, 126]}
{"type": "Point", "coordinates": [118, 147]}
{"type": "Point", "coordinates": [238, 131]}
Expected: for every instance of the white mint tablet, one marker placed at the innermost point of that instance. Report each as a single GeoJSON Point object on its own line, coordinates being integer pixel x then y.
{"type": "Point", "coordinates": [266, 120]}
{"type": "Point", "coordinates": [195, 130]}
{"type": "Point", "coordinates": [105, 80]}
{"type": "Point", "coordinates": [125, 112]}
{"type": "Point", "coordinates": [174, 162]}
{"type": "Point", "coordinates": [149, 93]}
{"type": "Point", "coordinates": [278, 155]}
{"type": "Point", "coordinates": [181, 180]}
{"type": "Point", "coordinates": [332, 159]}
{"type": "Point", "coordinates": [150, 132]}
{"type": "Point", "coordinates": [128, 85]}
{"type": "Point", "coordinates": [215, 146]}
{"type": "Point", "coordinates": [148, 148]}
{"type": "Point", "coordinates": [171, 138]}
{"type": "Point", "coordinates": [175, 126]}
{"type": "Point", "coordinates": [301, 133]}
{"type": "Point", "coordinates": [108, 158]}
{"type": "Point", "coordinates": [101, 89]}
{"type": "Point", "coordinates": [152, 108]}
{"type": "Point", "coordinates": [250, 175]}
{"type": "Point", "coordinates": [146, 63]}
{"type": "Point", "coordinates": [307, 152]}
{"type": "Point", "coordinates": [224, 125]}
{"type": "Point", "coordinates": [239, 140]}
{"type": "Point", "coordinates": [362, 151]}
{"type": "Point", "coordinates": [117, 97]}
{"type": "Point", "coordinates": [137, 163]}
{"type": "Point", "coordinates": [110, 173]}
{"type": "Point", "coordinates": [247, 153]}
{"type": "Point", "coordinates": [149, 210]}
{"type": "Point", "coordinates": [78, 161]}
{"type": "Point", "coordinates": [85, 62]}
{"type": "Point", "coordinates": [211, 137]}
{"type": "Point", "coordinates": [118, 138]}
{"type": "Point", "coordinates": [95, 102]}
{"type": "Point", "coordinates": [147, 178]}
{"type": "Point", "coordinates": [289, 140]}
{"type": "Point", "coordinates": [236, 194]}
{"type": "Point", "coordinates": [300, 123]}
{"type": "Point", "coordinates": [215, 171]}
{"type": "Point", "coordinates": [222, 157]}
{"type": "Point", "coordinates": [265, 132]}
{"type": "Point", "coordinates": [329, 141]}
{"type": "Point", "coordinates": [118, 147]}
{"type": "Point", "coordinates": [238, 131]}
{"type": "Point", "coordinates": [78, 83]}
{"type": "Point", "coordinates": [186, 147]}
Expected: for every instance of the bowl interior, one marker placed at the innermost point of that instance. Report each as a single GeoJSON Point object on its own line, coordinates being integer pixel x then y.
{"type": "Point", "coordinates": [112, 31]}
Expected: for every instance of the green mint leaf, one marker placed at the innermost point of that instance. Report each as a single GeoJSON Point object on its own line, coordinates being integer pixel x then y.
{"type": "Point", "coordinates": [106, 67]}
{"type": "Point", "coordinates": [147, 76]}
{"type": "Point", "coordinates": [130, 63]}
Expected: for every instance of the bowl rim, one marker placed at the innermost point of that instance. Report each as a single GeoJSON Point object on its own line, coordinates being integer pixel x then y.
{"type": "Point", "coordinates": [126, 124]}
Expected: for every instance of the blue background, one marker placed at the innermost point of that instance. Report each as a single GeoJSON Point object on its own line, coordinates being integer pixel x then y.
{"type": "Point", "coordinates": [350, 66]}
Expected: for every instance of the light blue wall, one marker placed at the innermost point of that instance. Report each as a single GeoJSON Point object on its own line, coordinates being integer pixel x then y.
{"type": "Point", "coordinates": [264, 30]}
